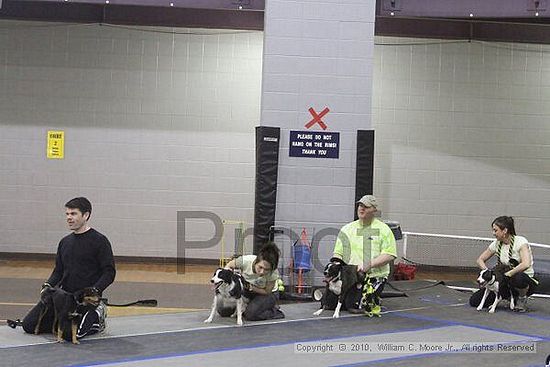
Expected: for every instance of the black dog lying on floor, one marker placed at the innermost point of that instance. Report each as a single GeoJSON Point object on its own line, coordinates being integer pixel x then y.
{"type": "Point", "coordinates": [65, 307]}
{"type": "Point", "coordinates": [343, 289]}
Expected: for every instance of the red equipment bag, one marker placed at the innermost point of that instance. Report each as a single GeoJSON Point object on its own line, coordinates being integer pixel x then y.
{"type": "Point", "coordinates": [404, 271]}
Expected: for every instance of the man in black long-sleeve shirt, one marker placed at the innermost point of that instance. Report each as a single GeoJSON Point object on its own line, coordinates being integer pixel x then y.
{"type": "Point", "coordinates": [84, 260]}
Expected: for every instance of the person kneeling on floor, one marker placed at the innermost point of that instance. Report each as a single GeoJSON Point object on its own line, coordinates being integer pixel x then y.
{"type": "Point", "coordinates": [84, 260]}
{"type": "Point", "coordinates": [513, 251]}
{"type": "Point", "coordinates": [370, 244]}
{"type": "Point", "coordinates": [261, 274]}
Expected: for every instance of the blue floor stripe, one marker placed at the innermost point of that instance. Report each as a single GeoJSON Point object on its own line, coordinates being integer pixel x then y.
{"type": "Point", "coordinates": [207, 351]}
{"type": "Point", "coordinates": [411, 356]}
{"type": "Point", "coordinates": [449, 322]}
{"type": "Point", "coordinates": [538, 317]}
{"type": "Point", "coordinates": [442, 324]}
{"type": "Point", "coordinates": [391, 359]}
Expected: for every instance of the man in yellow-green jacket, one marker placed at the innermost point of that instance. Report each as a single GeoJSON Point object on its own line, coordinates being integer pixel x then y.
{"type": "Point", "coordinates": [368, 243]}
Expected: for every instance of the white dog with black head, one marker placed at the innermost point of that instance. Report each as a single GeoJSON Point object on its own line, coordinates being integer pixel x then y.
{"type": "Point", "coordinates": [228, 298]}
{"type": "Point", "coordinates": [494, 281]}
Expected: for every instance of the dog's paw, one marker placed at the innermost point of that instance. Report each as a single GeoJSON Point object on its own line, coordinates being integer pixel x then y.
{"type": "Point", "coordinates": [479, 308]}
{"type": "Point", "coordinates": [491, 310]}
{"type": "Point", "coordinates": [76, 342]}
{"type": "Point", "coordinates": [208, 321]}
{"type": "Point", "coordinates": [240, 323]}
{"type": "Point", "coordinates": [336, 316]}
{"type": "Point", "coordinates": [318, 312]}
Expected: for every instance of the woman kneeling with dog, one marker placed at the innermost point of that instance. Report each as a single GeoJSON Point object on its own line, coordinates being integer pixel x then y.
{"type": "Point", "coordinates": [261, 274]}
{"type": "Point", "coordinates": [513, 251]}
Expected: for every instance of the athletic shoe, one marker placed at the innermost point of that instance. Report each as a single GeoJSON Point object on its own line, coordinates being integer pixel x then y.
{"type": "Point", "coordinates": [521, 304]}
{"type": "Point", "coordinates": [101, 311]}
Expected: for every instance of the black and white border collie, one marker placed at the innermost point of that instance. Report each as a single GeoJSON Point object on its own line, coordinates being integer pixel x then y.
{"type": "Point", "coordinates": [340, 278]}
{"type": "Point", "coordinates": [493, 280]}
{"type": "Point", "coordinates": [228, 298]}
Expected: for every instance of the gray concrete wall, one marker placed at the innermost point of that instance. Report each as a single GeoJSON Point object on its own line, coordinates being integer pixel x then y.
{"type": "Point", "coordinates": [463, 132]}
{"type": "Point", "coordinates": [154, 123]}
{"type": "Point", "coordinates": [317, 54]}
{"type": "Point", "coordinates": [157, 123]}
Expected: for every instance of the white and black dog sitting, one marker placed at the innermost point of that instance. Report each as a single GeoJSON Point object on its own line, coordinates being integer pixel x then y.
{"type": "Point", "coordinates": [228, 299]}
{"type": "Point", "coordinates": [343, 289]}
{"type": "Point", "coordinates": [493, 280]}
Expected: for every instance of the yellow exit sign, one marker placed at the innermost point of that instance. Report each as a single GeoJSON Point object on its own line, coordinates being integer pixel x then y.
{"type": "Point", "coordinates": [56, 145]}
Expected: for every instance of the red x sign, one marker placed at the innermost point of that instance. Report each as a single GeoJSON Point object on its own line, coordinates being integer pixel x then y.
{"type": "Point", "coordinates": [317, 118]}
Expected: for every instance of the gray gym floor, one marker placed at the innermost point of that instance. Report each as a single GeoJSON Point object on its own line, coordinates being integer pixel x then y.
{"type": "Point", "coordinates": [435, 314]}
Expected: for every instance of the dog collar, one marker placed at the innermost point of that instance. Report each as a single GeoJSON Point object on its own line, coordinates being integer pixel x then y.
{"type": "Point", "coordinates": [333, 279]}
{"type": "Point", "coordinates": [492, 281]}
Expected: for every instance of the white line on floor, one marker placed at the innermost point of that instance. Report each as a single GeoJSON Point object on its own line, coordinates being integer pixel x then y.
{"type": "Point", "coordinates": [16, 304]}
{"type": "Point", "coordinates": [216, 327]}
{"type": "Point", "coordinates": [257, 323]}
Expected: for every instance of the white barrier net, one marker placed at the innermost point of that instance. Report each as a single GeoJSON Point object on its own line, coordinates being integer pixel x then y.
{"type": "Point", "coordinates": [433, 249]}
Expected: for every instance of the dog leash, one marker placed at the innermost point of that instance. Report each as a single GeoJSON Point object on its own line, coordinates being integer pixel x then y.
{"type": "Point", "coordinates": [14, 323]}
{"type": "Point", "coordinates": [415, 289]}
{"type": "Point", "coordinates": [141, 302]}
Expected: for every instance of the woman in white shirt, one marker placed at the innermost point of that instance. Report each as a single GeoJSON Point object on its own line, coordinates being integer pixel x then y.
{"type": "Point", "coordinates": [260, 273]}
{"type": "Point", "coordinates": [512, 250]}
